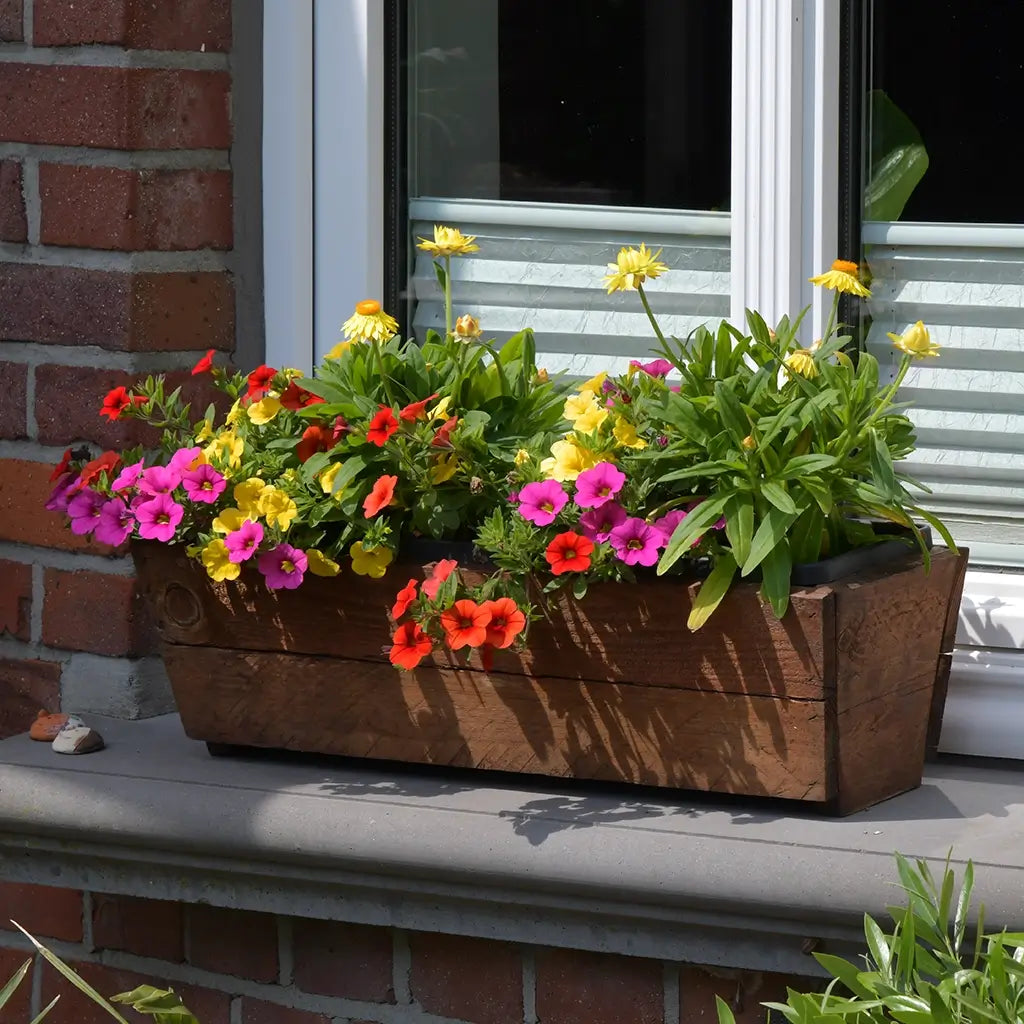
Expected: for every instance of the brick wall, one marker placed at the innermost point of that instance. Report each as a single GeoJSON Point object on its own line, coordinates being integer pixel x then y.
{"type": "Point", "coordinates": [237, 967]}
{"type": "Point", "coordinates": [117, 215]}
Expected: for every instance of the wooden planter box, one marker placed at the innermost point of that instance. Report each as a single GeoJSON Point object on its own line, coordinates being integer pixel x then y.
{"type": "Point", "coordinates": [831, 705]}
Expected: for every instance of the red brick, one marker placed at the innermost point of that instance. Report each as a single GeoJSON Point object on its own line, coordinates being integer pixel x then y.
{"type": "Point", "coordinates": [15, 598]}
{"type": "Point", "coordinates": [237, 942]}
{"type": "Point", "coordinates": [471, 979]}
{"type": "Point", "coordinates": [144, 927]}
{"type": "Point", "coordinates": [13, 227]}
{"type": "Point", "coordinates": [13, 387]}
{"type": "Point", "coordinates": [11, 25]}
{"type": "Point", "coordinates": [136, 312]}
{"type": "Point", "coordinates": [17, 1008]}
{"type": "Point", "coordinates": [698, 988]}
{"type": "Point", "coordinates": [140, 24]}
{"type": "Point", "coordinates": [42, 910]}
{"type": "Point", "coordinates": [258, 1012]}
{"type": "Point", "coordinates": [26, 688]}
{"type": "Point", "coordinates": [95, 612]}
{"type": "Point", "coordinates": [351, 961]}
{"type": "Point", "coordinates": [117, 108]}
{"type": "Point", "coordinates": [208, 1006]}
{"type": "Point", "coordinates": [113, 208]}
{"type": "Point", "coordinates": [599, 988]}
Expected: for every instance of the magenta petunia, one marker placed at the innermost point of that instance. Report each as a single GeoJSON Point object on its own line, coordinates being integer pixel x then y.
{"type": "Point", "coordinates": [203, 483]}
{"type": "Point", "coordinates": [159, 480]}
{"type": "Point", "coordinates": [183, 458]}
{"type": "Point", "coordinates": [636, 542]}
{"type": "Point", "coordinates": [244, 541]}
{"type": "Point", "coordinates": [128, 476]}
{"type": "Point", "coordinates": [667, 524]}
{"type": "Point", "coordinates": [84, 511]}
{"type": "Point", "coordinates": [115, 524]}
{"type": "Point", "coordinates": [283, 567]}
{"type": "Point", "coordinates": [541, 502]}
{"type": "Point", "coordinates": [595, 487]}
{"type": "Point", "coordinates": [655, 368]}
{"type": "Point", "coordinates": [62, 492]}
{"type": "Point", "coordinates": [158, 517]}
{"type": "Point", "coordinates": [598, 523]}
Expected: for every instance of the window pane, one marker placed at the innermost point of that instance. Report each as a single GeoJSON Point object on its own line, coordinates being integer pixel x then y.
{"type": "Point", "coordinates": [612, 102]}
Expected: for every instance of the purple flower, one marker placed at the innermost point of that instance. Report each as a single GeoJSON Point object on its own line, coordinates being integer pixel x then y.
{"type": "Point", "coordinates": [636, 542]}
{"type": "Point", "coordinates": [598, 523]}
{"type": "Point", "coordinates": [283, 567]}
{"type": "Point", "coordinates": [203, 483]}
{"type": "Point", "coordinates": [595, 487]}
{"type": "Point", "coordinates": [662, 440]}
{"type": "Point", "coordinates": [128, 476]}
{"type": "Point", "coordinates": [608, 386]}
{"type": "Point", "coordinates": [541, 502]}
{"type": "Point", "coordinates": [159, 480]}
{"type": "Point", "coordinates": [115, 524]}
{"type": "Point", "coordinates": [513, 497]}
{"type": "Point", "coordinates": [667, 524]}
{"type": "Point", "coordinates": [62, 492]}
{"type": "Point", "coordinates": [84, 511]}
{"type": "Point", "coordinates": [655, 368]}
{"type": "Point", "coordinates": [242, 544]}
{"type": "Point", "coordinates": [183, 458]}
{"type": "Point", "coordinates": [158, 517]}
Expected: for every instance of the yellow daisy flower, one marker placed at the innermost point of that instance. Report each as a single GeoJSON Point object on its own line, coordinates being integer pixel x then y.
{"type": "Point", "coordinates": [915, 341]}
{"type": "Point", "coordinates": [320, 565]}
{"type": "Point", "coordinates": [802, 362]}
{"type": "Point", "coordinates": [373, 562]}
{"type": "Point", "coordinates": [448, 242]}
{"type": "Point", "coordinates": [368, 323]}
{"type": "Point", "coordinates": [217, 562]}
{"type": "Point", "coordinates": [843, 277]}
{"type": "Point", "coordinates": [264, 410]}
{"type": "Point", "coordinates": [625, 433]}
{"type": "Point", "coordinates": [632, 267]}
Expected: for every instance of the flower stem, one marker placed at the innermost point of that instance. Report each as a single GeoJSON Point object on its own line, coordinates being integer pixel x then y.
{"type": "Point", "coordinates": [447, 297]}
{"type": "Point", "coordinates": [650, 314]}
{"type": "Point", "coordinates": [379, 358]}
{"type": "Point", "coordinates": [831, 319]}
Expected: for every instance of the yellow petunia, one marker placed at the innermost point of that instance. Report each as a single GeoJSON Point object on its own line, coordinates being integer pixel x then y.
{"type": "Point", "coordinates": [277, 507]}
{"type": "Point", "coordinates": [327, 478]}
{"type": "Point", "coordinates": [264, 410]}
{"type": "Point", "coordinates": [625, 433]}
{"type": "Point", "coordinates": [320, 565]}
{"type": "Point", "coordinates": [843, 277]}
{"type": "Point", "coordinates": [226, 447]}
{"type": "Point", "coordinates": [440, 411]}
{"type": "Point", "coordinates": [235, 413]}
{"type": "Point", "coordinates": [448, 242]}
{"type": "Point", "coordinates": [915, 341]}
{"type": "Point", "coordinates": [802, 362]}
{"type": "Point", "coordinates": [247, 495]}
{"type": "Point", "coordinates": [231, 519]}
{"type": "Point", "coordinates": [373, 562]}
{"type": "Point", "coordinates": [568, 460]}
{"type": "Point", "coordinates": [632, 267]}
{"type": "Point", "coordinates": [369, 323]}
{"type": "Point", "coordinates": [218, 564]}
{"type": "Point", "coordinates": [584, 411]}
{"type": "Point", "coordinates": [204, 431]}
{"type": "Point", "coordinates": [595, 382]}
{"type": "Point", "coordinates": [444, 468]}
{"type": "Point", "coordinates": [338, 349]}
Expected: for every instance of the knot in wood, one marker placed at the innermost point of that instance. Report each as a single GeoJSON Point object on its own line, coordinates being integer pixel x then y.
{"type": "Point", "coordinates": [181, 606]}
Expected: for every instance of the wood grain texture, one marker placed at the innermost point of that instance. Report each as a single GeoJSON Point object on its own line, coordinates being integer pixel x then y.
{"type": "Point", "coordinates": [945, 665]}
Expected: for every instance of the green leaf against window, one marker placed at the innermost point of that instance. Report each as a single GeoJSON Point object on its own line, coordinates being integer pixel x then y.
{"type": "Point", "coordinates": [899, 159]}
{"type": "Point", "coordinates": [712, 590]}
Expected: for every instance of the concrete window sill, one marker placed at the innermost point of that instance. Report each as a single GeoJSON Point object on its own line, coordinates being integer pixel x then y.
{"type": "Point", "coordinates": [738, 883]}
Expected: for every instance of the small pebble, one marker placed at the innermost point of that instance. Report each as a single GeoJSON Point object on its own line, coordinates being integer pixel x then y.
{"type": "Point", "coordinates": [46, 726]}
{"type": "Point", "coordinates": [77, 738]}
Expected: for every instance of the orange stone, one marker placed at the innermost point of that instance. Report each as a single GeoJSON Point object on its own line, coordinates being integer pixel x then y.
{"type": "Point", "coordinates": [46, 726]}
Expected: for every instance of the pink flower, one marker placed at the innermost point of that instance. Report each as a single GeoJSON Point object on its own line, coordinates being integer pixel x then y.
{"type": "Point", "coordinates": [655, 368]}
{"type": "Point", "coordinates": [128, 476]}
{"type": "Point", "coordinates": [158, 517]}
{"type": "Point", "coordinates": [62, 492]}
{"type": "Point", "coordinates": [159, 480]}
{"type": "Point", "coordinates": [183, 458]}
{"type": "Point", "coordinates": [595, 487]}
{"type": "Point", "coordinates": [667, 524]}
{"type": "Point", "coordinates": [84, 511]}
{"type": "Point", "coordinates": [115, 524]}
{"type": "Point", "coordinates": [242, 544]}
{"type": "Point", "coordinates": [541, 502]}
{"type": "Point", "coordinates": [636, 542]}
{"type": "Point", "coordinates": [598, 523]}
{"type": "Point", "coordinates": [203, 483]}
{"type": "Point", "coordinates": [283, 567]}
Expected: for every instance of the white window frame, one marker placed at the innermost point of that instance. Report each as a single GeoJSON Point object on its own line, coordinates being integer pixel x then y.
{"type": "Point", "coordinates": [323, 179]}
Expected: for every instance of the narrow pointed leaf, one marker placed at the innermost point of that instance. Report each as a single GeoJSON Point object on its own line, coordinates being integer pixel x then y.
{"type": "Point", "coordinates": [776, 572]}
{"type": "Point", "coordinates": [769, 535]}
{"type": "Point", "coordinates": [690, 529]}
{"type": "Point", "coordinates": [15, 980]}
{"type": "Point", "coordinates": [778, 496]}
{"type": "Point", "coordinates": [739, 525]}
{"type": "Point", "coordinates": [712, 590]}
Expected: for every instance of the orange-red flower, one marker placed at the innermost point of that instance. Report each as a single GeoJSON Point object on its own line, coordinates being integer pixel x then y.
{"type": "Point", "coordinates": [443, 437]}
{"type": "Point", "coordinates": [259, 382]}
{"type": "Point", "coordinates": [507, 621]}
{"type": "Point", "coordinates": [410, 645]}
{"type": "Point", "coordinates": [403, 599]}
{"type": "Point", "coordinates": [61, 466]}
{"type": "Point", "coordinates": [204, 364]}
{"type": "Point", "coordinates": [91, 470]}
{"type": "Point", "coordinates": [382, 426]}
{"type": "Point", "coordinates": [465, 624]}
{"type": "Point", "coordinates": [293, 397]}
{"type": "Point", "coordinates": [314, 439]}
{"type": "Point", "coordinates": [380, 497]}
{"type": "Point", "coordinates": [569, 552]}
{"type": "Point", "coordinates": [417, 410]}
{"type": "Point", "coordinates": [442, 570]}
{"type": "Point", "coordinates": [117, 401]}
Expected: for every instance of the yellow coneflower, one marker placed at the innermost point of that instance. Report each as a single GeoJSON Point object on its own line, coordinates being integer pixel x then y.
{"type": "Point", "coordinates": [369, 323]}
{"type": "Point", "coordinates": [843, 277]}
{"type": "Point", "coordinates": [632, 267]}
{"type": "Point", "coordinates": [448, 242]}
{"type": "Point", "coordinates": [802, 362]}
{"type": "Point", "coordinates": [915, 341]}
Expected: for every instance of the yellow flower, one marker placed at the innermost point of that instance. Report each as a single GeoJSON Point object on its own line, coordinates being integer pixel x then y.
{"type": "Point", "coordinates": [843, 277]}
{"type": "Point", "coordinates": [749, 444]}
{"type": "Point", "coordinates": [369, 323]}
{"type": "Point", "coordinates": [231, 519]}
{"type": "Point", "coordinates": [264, 410]}
{"type": "Point", "coordinates": [915, 341]}
{"type": "Point", "coordinates": [632, 267]}
{"type": "Point", "coordinates": [247, 495]}
{"type": "Point", "coordinates": [217, 563]}
{"type": "Point", "coordinates": [205, 431]}
{"type": "Point", "coordinates": [278, 508]}
{"type": "Point", "coordinates": [448, 242]}
{"type": "Point", "coordinates": [802, 362]}
{"type": "Point", "coordinates": [522, 457]}
{"type": "Point", "coordinates": [568, 460]}
{"type": "Point", "coordinates": [373, 563]}
{"type": "Point", "coordinates": [327, 478]}
{"type": "Point", "coordinates": [440, 411]}
{"type": "Point", "coordinates": [467, 327]}
{"type": "Point", "coordinates": [235, 413]}
{"type": "Point", "coordinates": [444, 469]}
{"type": "Point", "coordinates": [595, 382]}
{"type": "Point", "coordinates": [584, 411]}
{"type": "Point", "coordinates": [320, 564]}
{"type": "Point", "coordinates": [542, 376]}
{"type": "Point", "coordinates": [227, 447]}
{"type": "Point", "coordinates": [336, 352]}
{"type": "Point", "coordinates": [591, 419]}
{"type": "Point", "coordinates": [625, 433]}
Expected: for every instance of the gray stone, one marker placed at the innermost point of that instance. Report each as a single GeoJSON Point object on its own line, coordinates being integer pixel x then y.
{"type": "Point", "coordinates": [116, 687]}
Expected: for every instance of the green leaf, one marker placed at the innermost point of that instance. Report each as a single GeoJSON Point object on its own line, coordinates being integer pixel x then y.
{"type": "Point", "coordinates": [725, 1015]}
{"type": "Point", "coordinates": [820, 491]}
{"type": "Point", "coordinates": [878, 945]}
{"type": "Point", "coordinates": [163, 1005]}
{"type": "Point", "coordinates": [778, 496]}
{"type": "Point", "coordinates": [681, 413]}
{"type": "Point", "coordinates": [695, 523]}
{"type": "Point", "coordinates": [701, 469]}
{"type": "Point", "coordinates": [801, 465]}
{"type": "Point", "coordinates": [937, 525]}
{"type": "Point", "coordinates": [776, 571]}
{"type": "Point", "coordinates": [805, 535]}
{"type": "Point", "coordinates": [769, 535]}
{"type": "Point", "coordinates": [963, 906]}
{"type": "Point", "coordinates": [442, 277]}
{"type": "Point", "coordinates": [739, 525]}
{"type": "Point", "coordinates": [15, 980]}
{"type": "Point", "coordinates": [350, 469]}
{"type": "Point", "coordinates": [734, 419]}
{"type": "Point", "coordinates": [882, 472]}
{"type": "Point", "coordinates": [712, 590]}
{"type": "Point", "coordinates": [899, 160]}
{"type": "Point", "coordinates": [46, 1010]}
{"type": "Point", "coordinates": [315, 464]}
{"type": "Point", "coordinates": [847, 973]}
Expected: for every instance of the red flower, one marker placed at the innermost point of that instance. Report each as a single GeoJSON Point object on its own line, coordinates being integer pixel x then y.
{"type": "Point", "coordinates": [205, 364]}
{"type": "Point", "coordinates": [443, 437]}
{"type": "Point", "coordinates": [293, 397]}
{"type": "Point", "coordinates": [314, 439]}
{"type": "Point", "coordinates": [403, 599]}
{"type": "Point", "coordinates": [380, 497]}
{"type": "Point", "coordinates": [417, 410]}
{"type": "Point", "coordinates": [117, 401]}
{"type": "Point", "coordinates": [507, 621]}
{"type": "Point", "coordinates": [381, 427]}
{"type": "Point", "coordinates": [411, 645]}
{"type": "Point", "coordinates": [465, 624]}
{"type": "Point", "coordinates": [65, 459]}
{"type": "Point", "coordinates": [91, 470]}
{"type": "Point", "coordinates": [259, 381]}
{"type": "Point", "coordinates": [340, 429]}
{"type": "Point", "coordinates": [442, 570]}
{"type": "Point", "coordinates": [569, 552]}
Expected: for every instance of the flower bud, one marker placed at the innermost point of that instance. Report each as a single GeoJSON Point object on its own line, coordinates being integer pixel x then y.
{"type": "Point", "coordinates": [749, 443]}
{"type": "Point", "coordinates": [467, 327]}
